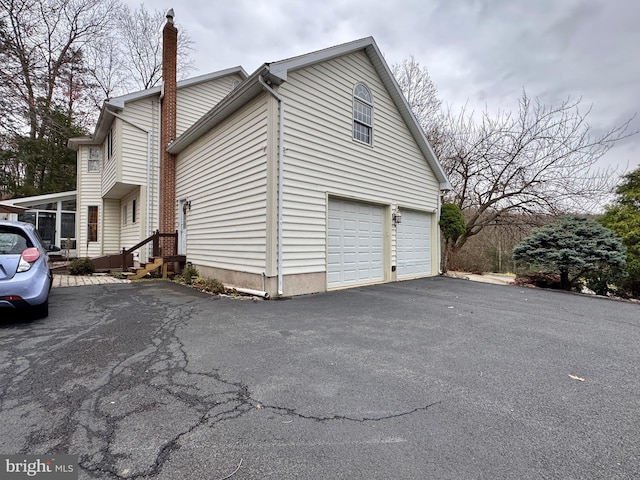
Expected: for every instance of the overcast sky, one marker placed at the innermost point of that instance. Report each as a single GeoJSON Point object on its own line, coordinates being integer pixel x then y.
{"type": "Point", "coordinates": [478, 52]}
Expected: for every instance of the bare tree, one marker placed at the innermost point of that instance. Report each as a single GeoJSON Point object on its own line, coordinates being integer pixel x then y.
{"type": "Point", "coordinates": [129, 56]}
{"type": "Point", "coordinates": [108, 69]}
{"type": "Point", "coordinates": [540, 160]}
{"type": "Point", "coordinates": [39, 42]}
{"type": "Point", "coordinates": [422, 96]}
{"type": "Point", "coordinates": [142, 47]}
{"type": "Point", "coordinates": [42, 66]}
{"type": "Point", "coordinates": [60, 59]}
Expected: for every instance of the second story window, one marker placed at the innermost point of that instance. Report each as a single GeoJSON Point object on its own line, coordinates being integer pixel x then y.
{"type": "Point", "coordinates": [95, 155]}
{"type": "Point", "coordinates": [362, 114]}
{"type": "Point", "coordinates": [110, 144]}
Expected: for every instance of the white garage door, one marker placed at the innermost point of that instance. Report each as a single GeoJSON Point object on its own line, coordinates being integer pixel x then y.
{"type": "Point", "coordinates": [355, 248]}
{"type": "Point", "coordinates": [414, 244]}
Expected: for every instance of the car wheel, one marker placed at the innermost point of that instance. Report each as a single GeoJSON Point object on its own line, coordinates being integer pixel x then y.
{"type": "Point", "coordinates": [42, 310]}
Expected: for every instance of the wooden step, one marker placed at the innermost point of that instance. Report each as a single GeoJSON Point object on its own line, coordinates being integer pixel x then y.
{"type": "Point", "coordinates": [148, 268]}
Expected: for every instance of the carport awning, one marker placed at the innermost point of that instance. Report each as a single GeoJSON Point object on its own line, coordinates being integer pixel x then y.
{"type": "Point", "coordinates": [4, 208]}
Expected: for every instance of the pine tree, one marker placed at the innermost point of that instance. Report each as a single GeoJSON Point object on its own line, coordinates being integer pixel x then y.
{"type": "Point", "coordinates": [577, 249]}
{"type": "Point", "coordinates": [624, 218]}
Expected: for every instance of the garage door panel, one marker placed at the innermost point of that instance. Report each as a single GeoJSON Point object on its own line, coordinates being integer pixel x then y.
{"type": "Point", "coordinates": [414, 244]}
{"type": "Point", "coordinates": [355, 247]}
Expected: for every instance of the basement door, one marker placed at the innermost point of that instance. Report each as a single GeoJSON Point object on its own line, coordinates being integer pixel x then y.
{"type": "Point", "coordinates": [355, 248]}
{"type": "Point", "coordinates": [414, 244]}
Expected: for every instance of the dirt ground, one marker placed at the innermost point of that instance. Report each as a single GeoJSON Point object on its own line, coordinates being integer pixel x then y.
{"type": "Point", "coordinates": [493, 278]}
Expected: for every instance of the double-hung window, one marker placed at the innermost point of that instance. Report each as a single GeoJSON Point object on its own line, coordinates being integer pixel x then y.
{"type": "Point", "coordinates": [95, 155]}
{"type": "Point", "coordinates": [92, 224]}
{"type": "Point", "coordinates": [362, 114]}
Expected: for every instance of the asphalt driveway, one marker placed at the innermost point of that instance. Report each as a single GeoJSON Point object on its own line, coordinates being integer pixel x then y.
{"type": "Point", "coordinates": [435, 378]}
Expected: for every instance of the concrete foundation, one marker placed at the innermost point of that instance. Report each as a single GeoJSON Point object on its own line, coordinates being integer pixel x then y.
{"type": "Point", "coordinates": [292, 284]}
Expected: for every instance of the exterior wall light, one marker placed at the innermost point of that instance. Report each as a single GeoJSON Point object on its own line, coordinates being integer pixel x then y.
{"type": "Point", "coordinates": [396, 216]}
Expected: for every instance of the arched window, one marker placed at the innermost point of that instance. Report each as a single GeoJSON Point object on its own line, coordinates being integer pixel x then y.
{"type": "Point", "coordinates": [362, 114]}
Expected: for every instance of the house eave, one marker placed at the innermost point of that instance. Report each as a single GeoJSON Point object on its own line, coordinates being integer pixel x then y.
{"type": "Point", "coordinates": [242, 95]}
{"type": "Point", "coordinates": [74, 143]}
{"type": "Point", "coordinates": [117, 104]}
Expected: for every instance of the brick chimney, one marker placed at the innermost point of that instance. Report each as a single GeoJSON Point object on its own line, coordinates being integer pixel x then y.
{"type": "Point", "coordinates": [168, 131]}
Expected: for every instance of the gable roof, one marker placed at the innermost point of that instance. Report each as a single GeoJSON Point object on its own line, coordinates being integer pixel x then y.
{"type": "Point", "coordinates": [277, 73]}
{"type": "Point", "coordinates": [112, 106]}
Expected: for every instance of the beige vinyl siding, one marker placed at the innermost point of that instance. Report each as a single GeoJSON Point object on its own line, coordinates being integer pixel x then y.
{"type": "Point", "coordinates": [130, 233]}
{"type": "Point", "coordinates": [111, 171]}
{"type": "Point", "coordinates": [110, 223]}
{"type": "Point", "coordinates": [141, 116]}
{"type": "Point", "coordinates": [224, 176]}
{"type": "Point", "coordinates": [323, 159]}
{"type": "Point", "coordinates": [88, 185]}
{"type": "Point", "coordinates": [196, 100]}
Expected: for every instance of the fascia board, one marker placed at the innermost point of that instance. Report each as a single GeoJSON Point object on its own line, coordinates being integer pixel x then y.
{"type": "Point", "coordinates": [129, 97]}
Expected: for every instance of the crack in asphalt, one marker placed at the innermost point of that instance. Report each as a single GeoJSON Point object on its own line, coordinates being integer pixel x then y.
{"type": "Point", "coordinates": [293, 412]}
{"type": "Point", "coordinates": [133, 391]}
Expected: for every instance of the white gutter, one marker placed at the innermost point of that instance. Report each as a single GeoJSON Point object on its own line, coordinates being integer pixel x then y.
{"type": "Point", "coordinates": [280, 177]}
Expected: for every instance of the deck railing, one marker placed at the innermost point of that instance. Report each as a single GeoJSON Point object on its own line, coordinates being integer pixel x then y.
{"type": "Point", "coordinates": [157, 252]}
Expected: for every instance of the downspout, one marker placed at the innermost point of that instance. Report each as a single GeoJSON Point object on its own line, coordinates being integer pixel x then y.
{"type": "Point", "coordinates": [439, 232]}
{"type": "Point", "coordinates": [280, 176]}
{"type": "Point", "coordinates": [151, 172]}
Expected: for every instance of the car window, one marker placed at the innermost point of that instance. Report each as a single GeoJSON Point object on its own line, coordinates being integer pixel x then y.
{"type": "Point", "coordinates": [13, 241]}
{"type": "Point", "coordinates": [39, 238]}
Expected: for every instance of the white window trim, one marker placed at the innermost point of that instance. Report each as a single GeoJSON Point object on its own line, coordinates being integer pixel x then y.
{"type": "Point", "coordinates": [367, 103]}
{"type": "Point", "coordinates": [94, 160]}
{"type": "Point", "coordinates": [110, 144]}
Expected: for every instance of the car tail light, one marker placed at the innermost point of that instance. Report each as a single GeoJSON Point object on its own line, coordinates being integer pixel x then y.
{"type": "Point", "coordinates": [29, 256]}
